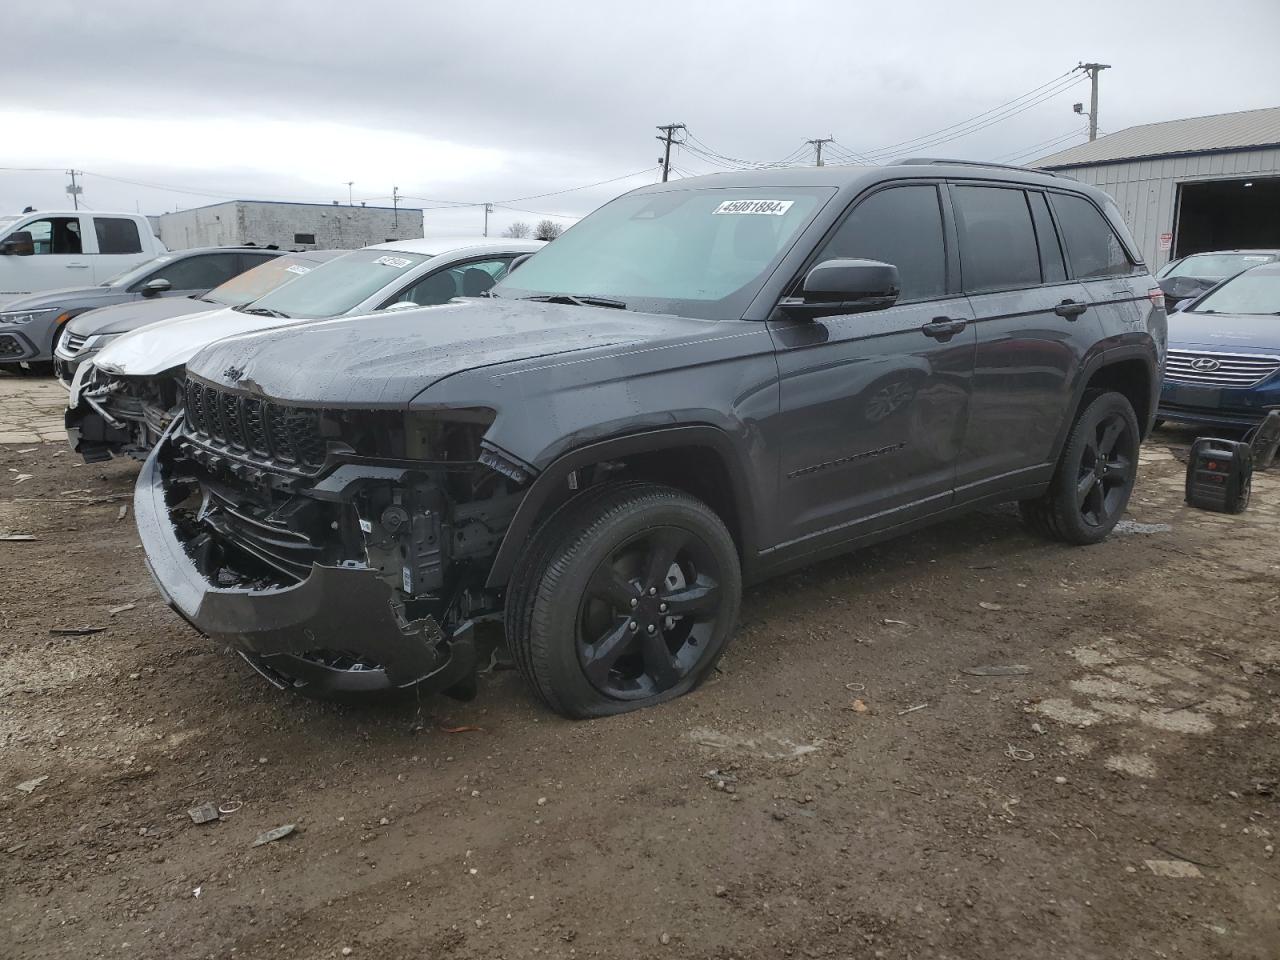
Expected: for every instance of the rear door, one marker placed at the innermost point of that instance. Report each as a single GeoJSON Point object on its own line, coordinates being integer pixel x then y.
{"type": "Point", "coordinates": [874, 405]}
{"type": "Point", "coordinates": [1033, 325]}
{"type": "Point", "coordinates": [118, 246]}
{"type": "Point", "coordinates": [1116, 285]}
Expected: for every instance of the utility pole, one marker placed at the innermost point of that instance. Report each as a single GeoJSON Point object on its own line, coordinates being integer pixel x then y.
{"type": "Point", "coordinates": [395, 208]}
{"type": "Point", "coordinates": [74, 190]}
{"type": "Point", "coordinates": [1093, 69]}
{"type": "Point", "coordinates": [350, 203]}
{"type": "Point", "coordinates": [669, 138]}
{"type": "Point", "coordinates": [817, 147]}
{"type": "Point", "coordinates": [488, 209]}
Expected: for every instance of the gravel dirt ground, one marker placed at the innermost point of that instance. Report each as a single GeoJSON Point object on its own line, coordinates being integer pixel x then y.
{"type": "Point", "coordinates": [845, 787]}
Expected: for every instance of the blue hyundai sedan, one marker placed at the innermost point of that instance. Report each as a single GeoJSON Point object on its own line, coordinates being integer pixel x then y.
{"type": "Point", "coordinates": [1223, 365]}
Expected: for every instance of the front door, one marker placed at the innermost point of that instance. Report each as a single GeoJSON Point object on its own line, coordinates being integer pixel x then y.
{"type": "Point", "coordinates": [874, 405]}
{"type": "Point", "coordinates": [59, 256]}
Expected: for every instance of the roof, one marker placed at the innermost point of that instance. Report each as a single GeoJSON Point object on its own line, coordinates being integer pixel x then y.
{"type": "Point", "coordinates": [293, 203]}
{"type": "Point", "coordinates": [435, 246]}
{"type": "Point", "coordinates": [1221, 131]}
{"type": "Point", "coordinates": [842, 176]}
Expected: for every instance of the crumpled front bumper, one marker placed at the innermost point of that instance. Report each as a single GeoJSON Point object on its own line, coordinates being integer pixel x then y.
{"type": "Point", "coordinates": [345, 607]}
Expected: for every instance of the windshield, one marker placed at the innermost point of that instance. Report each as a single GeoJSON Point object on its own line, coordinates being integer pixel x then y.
{"type": "Point", "coordinates": [1254, 291]}
{"type": "Point", "coordinates": [1215, 266]}
{"type": "Point", "coordinates": [695, 253]}
{"type": "Point", "coordinates": [262, 279]}
{"type": "Point", "coordinates": [333, 288]}
{"type": "Point", "coordinates": [126, 277]}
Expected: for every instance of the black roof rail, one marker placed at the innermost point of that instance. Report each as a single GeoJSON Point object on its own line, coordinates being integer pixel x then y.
{"type": "Point", "coordinates": [918, 161]}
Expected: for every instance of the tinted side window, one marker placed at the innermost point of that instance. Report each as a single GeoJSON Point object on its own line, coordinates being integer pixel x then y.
{"type": "Point", "coordinates": [902, 226]}
{"type": "Point", "coordinates": [116, 235]}
{"type": "Point", "coordinates": [202, 272]}
{"type": "Point", "coordinates": [1051, 262]}
{"type": "Point", "coordinates": [1093, 249]}
{"type": "Point", "coordinates": [465, 280]}
{"type": "Point", "coordinates": [997, 244]}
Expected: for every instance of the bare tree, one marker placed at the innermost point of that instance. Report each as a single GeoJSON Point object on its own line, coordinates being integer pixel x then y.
{"type": "Point", "coordinates": [547, 230]}
{"type": "Point", "coordinates": [518, 230]}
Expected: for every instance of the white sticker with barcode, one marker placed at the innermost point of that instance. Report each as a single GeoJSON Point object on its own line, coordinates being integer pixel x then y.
{"type": "Point", "coordinates": [365, 525]}
{"type": "Point", "coordinates": [769, 208]}
{"type": "Point", "coordinates": [296, 268]}
{"type": "Point", "coordinates": [398, 262]}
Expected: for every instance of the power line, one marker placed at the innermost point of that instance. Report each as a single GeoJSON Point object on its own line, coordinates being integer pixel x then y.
{"type": "Point", "coordinates": [585, 186]}
{"type": "Point", "coordinates": [977, 116]}
{"type": "Point", "coordinates": [959, 131]}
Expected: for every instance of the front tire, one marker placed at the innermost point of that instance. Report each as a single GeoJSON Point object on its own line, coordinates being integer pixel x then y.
{"type": "Point", "coordinates": [625, 599]}
{"type": "Point", "coordinates": [1095, 476]}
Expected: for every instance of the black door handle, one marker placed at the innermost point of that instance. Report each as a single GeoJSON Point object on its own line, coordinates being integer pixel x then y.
{"type": "Point", "coordinates": [1070, 309]}
{"type": "Point", "coordinates": [943, 328]}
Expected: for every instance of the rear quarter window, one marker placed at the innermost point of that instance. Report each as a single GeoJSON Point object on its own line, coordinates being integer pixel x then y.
{"type": "Point", "coordinates": [1093, 249]}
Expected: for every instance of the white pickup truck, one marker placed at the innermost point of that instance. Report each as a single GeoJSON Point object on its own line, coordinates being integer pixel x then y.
{"type": "Point", "coordinates": [50, 249]}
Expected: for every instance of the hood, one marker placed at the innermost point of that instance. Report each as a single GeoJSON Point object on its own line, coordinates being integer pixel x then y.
{"type": "Point", "coordinates": [157, 347]}
{"type": "Point", "coordinates": [1225, 332]}
{"type": "Point", "coordinates": [59, 298]}
{"type": "Point", "coordinates": [123, 317]}
{"type": "Point", "coordinates": [386, 359]}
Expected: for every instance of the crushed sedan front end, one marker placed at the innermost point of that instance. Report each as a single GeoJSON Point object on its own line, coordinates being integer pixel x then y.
{"type": "Point", "coordinates": [341, 552]}
{"type": "Point", "coordinates": [109, 415]}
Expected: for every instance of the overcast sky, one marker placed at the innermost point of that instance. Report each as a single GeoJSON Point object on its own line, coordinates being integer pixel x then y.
{"type": "Point", "coordinates": [503, 100]}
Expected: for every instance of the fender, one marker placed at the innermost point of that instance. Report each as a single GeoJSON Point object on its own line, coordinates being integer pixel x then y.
{"type": "Point", "coordinates": [555, 478]}
{"type": "Point", "coordinates": [1143, 350]}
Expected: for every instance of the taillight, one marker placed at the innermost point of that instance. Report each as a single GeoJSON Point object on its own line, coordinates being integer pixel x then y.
{"type": "Point", "coordinates": [1156, 296]}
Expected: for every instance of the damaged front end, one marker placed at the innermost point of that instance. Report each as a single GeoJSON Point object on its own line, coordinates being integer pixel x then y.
{"type": "Point", "coordinates": [342, 552]}
{"type": "Point", "coordinates": [114, 415]}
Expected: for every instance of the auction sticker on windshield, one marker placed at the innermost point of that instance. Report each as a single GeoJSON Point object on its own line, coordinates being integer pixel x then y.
{"type": "Point", "coordinates": [773, 208]}
{"type": "Point", "coordinates": [398, 262]}
{"type": "Point", "coordinates": [298, 269]}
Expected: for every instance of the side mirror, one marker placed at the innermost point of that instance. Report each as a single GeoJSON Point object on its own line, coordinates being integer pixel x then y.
{"type": "Point", "coordinates": [401, 305]}
{"type": "Point", "coordinates": [518, 262]}
{"type": "Point", "coordinates": [844, 286]}
{"type": "Point", "coordinates": [18, 244]}
{"type": "Point", "coordinates": [153, 287]}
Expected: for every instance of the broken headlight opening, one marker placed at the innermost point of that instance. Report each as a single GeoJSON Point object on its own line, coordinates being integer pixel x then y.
{"type": "Point", "coordinates": [266, 497]}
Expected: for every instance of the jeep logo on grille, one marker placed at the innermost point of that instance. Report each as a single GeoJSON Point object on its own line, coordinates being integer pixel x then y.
{"type": "Point", "coordinates": [1205, 364]}
{"type": "Point", "coordinates": [234, 374]}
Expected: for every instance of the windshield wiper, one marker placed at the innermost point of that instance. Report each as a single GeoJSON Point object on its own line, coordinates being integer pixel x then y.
{"type": "Point", "coordinates": [264, 312]}
{"type": "Point", "coordinates": [575, 300]}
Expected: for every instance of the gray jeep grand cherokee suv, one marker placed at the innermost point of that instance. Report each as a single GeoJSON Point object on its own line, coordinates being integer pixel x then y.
{"type": "Point", "coordinates": [701, 384]}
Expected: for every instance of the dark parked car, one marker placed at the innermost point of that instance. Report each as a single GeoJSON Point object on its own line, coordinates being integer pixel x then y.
{"type": "Point", "coordinates": [1191, 276]}
{"type": "Point", "coordinates": [88, 333]}
{"type": "Point", "coordinates": [702, 384]}
{"type": "Point", "coordinates": [1224, 353]}
{"type": "Point", "coordinates": [32, 326]}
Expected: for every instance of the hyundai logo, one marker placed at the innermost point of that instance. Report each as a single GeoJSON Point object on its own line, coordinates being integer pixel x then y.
{"type": "Point", "coordinates": [1205, 364]}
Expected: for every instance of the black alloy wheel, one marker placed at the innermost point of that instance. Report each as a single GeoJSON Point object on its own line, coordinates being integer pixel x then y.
{"type": "Point", "coordinates": [648, 614]}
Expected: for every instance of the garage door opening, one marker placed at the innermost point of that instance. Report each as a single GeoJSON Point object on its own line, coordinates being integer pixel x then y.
{"type": "Point", "coordinates": [1228, 215]}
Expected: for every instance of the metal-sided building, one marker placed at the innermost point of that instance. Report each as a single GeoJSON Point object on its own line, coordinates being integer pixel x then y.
{"type": "Point", "coordinates": [1185, 186]}
{"type": "Point", "coordinates": [289, 226]}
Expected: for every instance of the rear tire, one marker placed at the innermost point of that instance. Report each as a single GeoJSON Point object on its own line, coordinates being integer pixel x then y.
{"type": "Point", "coordinates": [626, 598]}
{"type": "Point", "coordinates": [1095, 475]}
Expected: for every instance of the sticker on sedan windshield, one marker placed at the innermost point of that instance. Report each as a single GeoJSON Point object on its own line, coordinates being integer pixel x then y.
{"type": "Point", "coordinates": [297, 269]}
{"type": "Point", "coordinates": [772, 208]}
{"type": "Point", "coordinates": [398, 262]}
